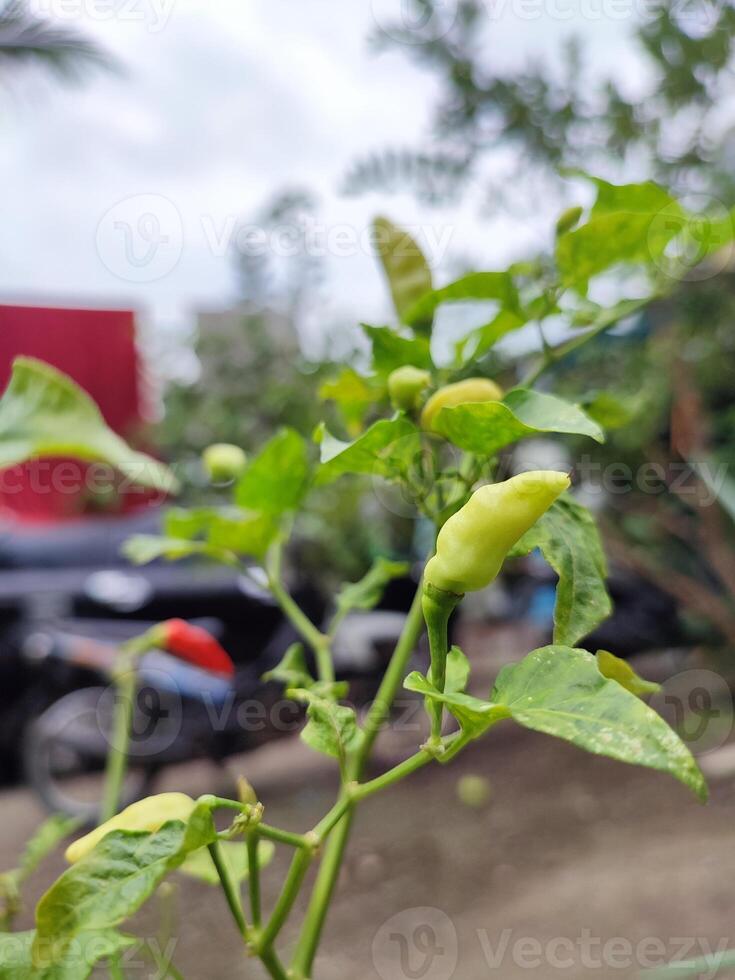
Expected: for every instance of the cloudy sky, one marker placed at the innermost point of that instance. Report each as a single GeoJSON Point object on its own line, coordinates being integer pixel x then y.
{"type": "Point", "coordinates": [129, 188]}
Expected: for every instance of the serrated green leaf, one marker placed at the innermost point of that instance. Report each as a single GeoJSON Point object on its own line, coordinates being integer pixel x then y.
{"type": "Point", "coordinates": [486, 427]}
{"type": "Point", "coordinates": [293, 670]}
{"type": "Point", "coordinates": [76, 962]}
{"type": "Point", "coordinates": [108, 885]}
{"type": "Point", "coordinates": [559, 690]}
{"type": "Point", "coordinates": [370, 453]}
{"type": "Point", "coordinates": [276, 480]}
{"type": "Point", "coordinates": [620, 670]}
{"type": "Point", "coordinates": [568, 538]}
{"type": "Point", "coordinates": [141, 549]}
{"type": "Point", "coordinates": [391, 350]}
{"type": "Point", "coordinates": [405, 268]}
{"type": "Point", "coordinates": [199, 864]}
{"type": "Point", "coordinates": [44, 413]}
{"type": "Point", "coordinates": [475, 287]}
{"type": "Point", "coordinates": [367, 593]}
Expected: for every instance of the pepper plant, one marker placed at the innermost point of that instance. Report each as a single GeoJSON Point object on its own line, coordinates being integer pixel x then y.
{"type": "Point", "coordinates": [440, 433]}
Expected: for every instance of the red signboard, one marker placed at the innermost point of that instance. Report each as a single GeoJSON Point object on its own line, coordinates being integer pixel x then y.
{"type": "Point", "coordinates": [97, 349]}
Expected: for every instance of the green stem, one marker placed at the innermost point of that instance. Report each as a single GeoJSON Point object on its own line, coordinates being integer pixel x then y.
{"type": "Point", "coordinates": [331, 864]}
{"type": "Point", "coordinates": [437, 608]}
{"type": "Point", "coordinates": [273, 965]}
{"type": "Point", "coordinates": [291, 887]}
{"type": "Point", "coordinates": [317, 640]}
{"type": "Point", "coordinates": [117, 755]}
{"type": "Point", "coordinates": [321, 896]}
{"type": "Point", "coordinates": [282, 836]}
{"type": "Point", "coordinates": [232, 893]}
{"type": "Point", "coordinates": [254, 877]}
{"type": "Point", "coordinates": [392, 680]}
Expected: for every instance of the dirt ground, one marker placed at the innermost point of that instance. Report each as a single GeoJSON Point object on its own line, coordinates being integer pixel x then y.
{"type": "Point", "coordinates": [577, 867]}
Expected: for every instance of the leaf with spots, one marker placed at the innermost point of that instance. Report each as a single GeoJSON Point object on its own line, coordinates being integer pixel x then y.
{"type": "Point", "coordinates": [569, 540]}
{"type": "Point", "coordinates": [560, 691]}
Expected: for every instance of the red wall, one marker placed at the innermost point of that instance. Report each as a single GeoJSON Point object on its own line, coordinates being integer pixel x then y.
{"type": "Point", "coordinates": [97, 349]}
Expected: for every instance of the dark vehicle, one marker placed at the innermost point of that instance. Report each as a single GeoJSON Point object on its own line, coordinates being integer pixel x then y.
{"type": "Point", "coordinates": [67, 600]}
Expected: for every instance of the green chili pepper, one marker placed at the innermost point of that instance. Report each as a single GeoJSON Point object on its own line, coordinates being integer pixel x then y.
{"type": "Point", "coordinates": [223, 462]}
{"type": "Point", "coordinates": [406, 385]}
{"type": "Point", "coordinates": [473, 543]}
{"type": "Point", "coordinates": [469, 390]}
{"type": "Point", "coordinates": [149, 814]}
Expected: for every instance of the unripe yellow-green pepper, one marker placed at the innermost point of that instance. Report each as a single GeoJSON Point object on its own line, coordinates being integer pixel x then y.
{"type": "Point", "coordinates": [405, 387]}
{"type": "Point", "coordinates": [469, 390]}
{"type": "Point", "coordinates": [223, 462]}
{"type": "Point", "coordinates": [473, 543]}
{"type": "Point", "coordinates": [149, 814]}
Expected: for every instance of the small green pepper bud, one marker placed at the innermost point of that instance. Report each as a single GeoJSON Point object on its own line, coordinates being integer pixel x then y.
{"type": "Point", "coordinates": [472, 545]}
{"type": "Point", "coordinates": [149, 814]}
{"type": "Point", "coordinates": [567, 220]}
{"type": "Point", "coordinates": [469, 390]}
{"type": "Point", "coordinates": [406, 385]}
{"type": "Point", "coordinates": [223, 462]}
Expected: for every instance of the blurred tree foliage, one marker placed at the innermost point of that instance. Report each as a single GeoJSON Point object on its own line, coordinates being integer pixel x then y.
{"type": "Point", "coordinates": [563, 114]}
{"type": "Point", "coordinates": [27, 37]}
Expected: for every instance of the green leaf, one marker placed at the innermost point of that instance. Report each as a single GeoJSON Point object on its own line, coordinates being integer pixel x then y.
{"type": "Point", "coordinates": [559, 690]}
{"type": "Point", "coordinates": [44, 413]}
{"type": "Point", "coordinates": [568, 538]}
{"type": "Point", "coordinates": [293, 670]}
{"type": "Point", "coordinates": [111, 883]}
{"type": "Point", "coordinates": [370, 453]}
{"type": "Point", "coordinates": [477, 287]}
{"type": "Point", "coordinates": [474, 715]}
{"type": "Point", "coordinates": [620, 670]}
{"type": "Point", "coordinates": [199, 864]}
{"type": "Point", "coordinates": [77, 962]}
{"type": "Point", "coordinates": [276, 480]}
{"type": "Point", "coordinates": [486, 427]}
{"type": "Point", "coordinates": [608, 411]}
{"type": "Point", "coordinates": [479, 341]}
{"type": "Point", "coordinates": [227, 531]}
{"type": "Point", "coordinates": [405, 268]}
{"type": "Point", "coordinates": [48, 836]}
{"type": "Point", "coordinates": [141, 549]}
{"type": "Point", "coordinates": [367, 593]}
{"type": "Point", "coordinates": [391, 350]}
{"type": "Point", "coordinates": [354, 396]}
{"type": "Point", "coordinates": [458, 671]}
{"type": "Point", "coordinates": [331, 728]}
{"type": "Point", "coordinates": [631, 223]}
